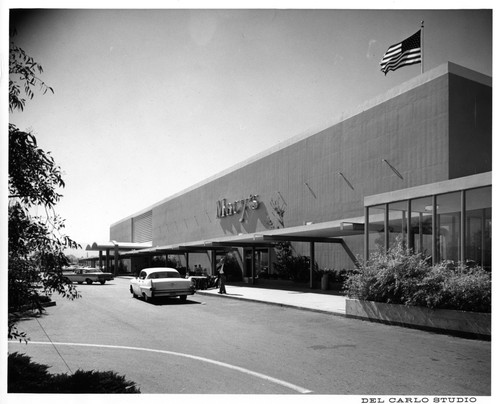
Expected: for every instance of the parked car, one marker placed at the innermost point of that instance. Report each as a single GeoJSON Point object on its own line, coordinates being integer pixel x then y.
{"type": "Point", "coordinates": [161, 282]}
{"type": "Point", "coordinates": [88, 275]}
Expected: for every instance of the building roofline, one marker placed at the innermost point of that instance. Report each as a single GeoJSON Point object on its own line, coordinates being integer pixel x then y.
{"type": "Point", "coordinates": [441, 70]}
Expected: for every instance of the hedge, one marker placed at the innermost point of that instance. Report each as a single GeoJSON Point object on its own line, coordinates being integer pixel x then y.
{"type": "Point", "coordinates": [25, 376]}
{"type": "Point", "coordinates": [403, 277]}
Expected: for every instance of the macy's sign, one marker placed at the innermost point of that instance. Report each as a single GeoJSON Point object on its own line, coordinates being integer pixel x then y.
{"type": "Point", "coordinates": [225, 208]}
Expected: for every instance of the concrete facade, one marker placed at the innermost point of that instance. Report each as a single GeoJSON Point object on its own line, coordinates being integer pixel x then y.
{"type": "Point", "coordinates": [434, 128]}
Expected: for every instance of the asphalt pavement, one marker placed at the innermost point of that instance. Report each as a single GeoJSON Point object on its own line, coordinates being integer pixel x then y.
{"type": "Point", "coordinates": [283, 294]}
{"type": "Point", "coordinates": [236, 344]}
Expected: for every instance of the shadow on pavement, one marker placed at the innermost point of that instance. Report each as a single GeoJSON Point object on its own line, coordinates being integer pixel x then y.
{"type": "Point", "coordinates": [171, 301]}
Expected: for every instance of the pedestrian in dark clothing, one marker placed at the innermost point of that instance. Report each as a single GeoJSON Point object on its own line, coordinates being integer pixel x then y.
{"type": "Point", "coordinates": [222, 277]}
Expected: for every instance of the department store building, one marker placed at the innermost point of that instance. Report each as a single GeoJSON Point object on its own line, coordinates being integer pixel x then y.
{"type": "Point", "coordinates": [413, 164]}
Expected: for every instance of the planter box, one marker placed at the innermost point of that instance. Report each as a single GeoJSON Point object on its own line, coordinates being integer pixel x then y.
{"type": "Point", "coordinates": [464, 323]}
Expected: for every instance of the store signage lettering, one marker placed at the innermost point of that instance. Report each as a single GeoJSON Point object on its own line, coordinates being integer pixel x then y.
{"type": "Point", "coordinates": [225, 208]}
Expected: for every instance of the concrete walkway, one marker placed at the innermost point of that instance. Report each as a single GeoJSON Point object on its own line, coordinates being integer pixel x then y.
{"type": "Point", "coordinates": [300, 299]}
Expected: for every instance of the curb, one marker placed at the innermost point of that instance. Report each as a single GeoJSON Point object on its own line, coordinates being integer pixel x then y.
{"type": "Point", "coordinates": [334, 313]}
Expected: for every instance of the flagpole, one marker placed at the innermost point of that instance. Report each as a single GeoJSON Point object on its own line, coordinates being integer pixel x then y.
{"type": "Point", "coordinates": [422, 46]}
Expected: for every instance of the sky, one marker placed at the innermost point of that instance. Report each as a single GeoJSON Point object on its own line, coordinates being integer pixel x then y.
{"type": "Point", "coordinates": [149, 102]}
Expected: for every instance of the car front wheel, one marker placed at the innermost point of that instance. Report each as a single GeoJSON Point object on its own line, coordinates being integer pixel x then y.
{"type": "Point", "coordinates": [102, 282]}
{"type": "Point", "coordinates": [183, 298]}
{"type": "Point", "coordinates": [89, 281]}
{"type": "Point", "coordinates": [148, 298]}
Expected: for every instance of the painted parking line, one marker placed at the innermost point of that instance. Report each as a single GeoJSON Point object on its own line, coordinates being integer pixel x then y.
{"type": "Point", "coordinates": [199, 358]}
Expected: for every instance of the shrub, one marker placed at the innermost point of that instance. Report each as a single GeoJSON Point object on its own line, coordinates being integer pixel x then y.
{"type": "Point", "coordinates": [388, 277]}
{"type": "Point", "coordinates": [336, 275]}
{"type": "Point", "coordinates": [455, 286]}
{"type": "Point", "coordinates": [295, 268]}
{"type": "Point", "coordinates": [402, 277]}
{"type": "Point", "coordinates": [25, 376]}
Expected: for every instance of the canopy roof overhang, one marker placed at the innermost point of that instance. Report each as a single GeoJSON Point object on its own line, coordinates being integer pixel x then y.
{"type": "Point", "coordinates": [121, 246]}
{"type": "Point", "coordinates": [325, 232]}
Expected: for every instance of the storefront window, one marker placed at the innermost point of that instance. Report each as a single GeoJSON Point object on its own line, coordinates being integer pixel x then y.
{"type": "Point", "coordinates": [376, 235]}
{"type": "Point", "coordinates": [421, 226]}
{"type": "Point", "coordinates": [398, 222]}
{"type": "Point", "coordinates": [388, 223]}
{"type": "Point", "coordinates": [448, 225]}
{"type": "Point", "coordinates": [478, 226]}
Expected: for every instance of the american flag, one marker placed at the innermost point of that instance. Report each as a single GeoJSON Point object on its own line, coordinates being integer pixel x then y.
{"type": "Point", "coordinates": [402, 54]}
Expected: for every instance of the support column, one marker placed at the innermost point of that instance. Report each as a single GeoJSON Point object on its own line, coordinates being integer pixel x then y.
{"type": "Point", "coordinates": [483, 238]}
{"type": "Point", "coordinates": [213, 264]}
{"type": "Point", "coordinates": [386, 227]}
{"type": "Point", "coordinates": [367, 234]}
{"type": "Point", "coordinates": [186, 254]}
{"type": "Point", "coordinates": [116, 260]}
{"type": "Point", "coordinates": [311, 264]}
{"type": "Point", "coordinates": [100, 259]}
{"type": "Point", "coordinates": [434, 231]}
{"type": "Point", "coordinates": [410, 242]}
{"type": "Point", "coordinates": [107, 260]}
{"type": "Point", "coordinates": [463, 215]}
{"type": "Point", "coordinates": [253, 265]}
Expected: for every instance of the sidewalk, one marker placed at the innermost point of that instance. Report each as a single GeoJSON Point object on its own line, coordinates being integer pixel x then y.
{"type": "Point", "coordinates": [299, 299]}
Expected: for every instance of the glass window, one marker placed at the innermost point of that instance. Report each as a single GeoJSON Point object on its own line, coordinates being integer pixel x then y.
{"type": "Point", "coordinates": [421, 226]}
{"type": "Point", "coordinates": [478, 226]}
{"type": "Point", "coordinates": [448, 225]}
{"type": "Point", "coordinates": [376, 240]}
{"type": "Point", "coordinates": [398, 213]}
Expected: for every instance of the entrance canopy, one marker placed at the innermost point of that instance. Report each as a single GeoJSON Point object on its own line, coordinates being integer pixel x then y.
{"type": "Point", "coordinates": [325, 232]}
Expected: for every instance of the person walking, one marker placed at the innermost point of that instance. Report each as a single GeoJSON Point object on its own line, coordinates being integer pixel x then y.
{"type": "Point", "coordinates": [222, 277]}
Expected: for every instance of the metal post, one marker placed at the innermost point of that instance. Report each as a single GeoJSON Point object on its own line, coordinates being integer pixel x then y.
{"type": "Point", "coordinates": [213, 264]}
{"type": "Point", "coordinates": [311, 265]}
{"type": "Point", "coordinates": [422, 47]}
{"type": "Point", "coordinates": [435, 251]}
{"type": "Point", "coordinates": [253, 265]}
{"type": "Point", "coordinates": [386, 227]}
{"type": "Point", "coordinates": [116, 260]}
{"type": "Point", "coordinates": [410, 242]}
{"type": "Point", "coordinates": [367, 233]}
{"type": "Point", "coordinates": [483, 238]}
{"type": "Point", "coordinates": [463, 210]}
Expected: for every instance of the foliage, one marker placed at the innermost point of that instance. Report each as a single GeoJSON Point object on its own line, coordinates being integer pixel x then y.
{"type": "Point", "coordinates": [287, 265]}
{"type": "Point", "coordinates": [402, 277]}
{"type": "Point", "coordinates": [169, 262]}
{"type": "Point", "coordinates": [283, 250]}
{"type": "Point", "coordinates": [33, 175]}
{"type": "Point", "coordinates": [455, 286]}
{"type": "Point", "coordinates": [25, 376]}
{"type": "Point", "coordinates": [232, 268]}
{"type": "Point", "coordinates": [23, 77]}
{"type": "Point", "coordinates": [336, 275]}
{"type": "Point", "coordinates": [36, 243]}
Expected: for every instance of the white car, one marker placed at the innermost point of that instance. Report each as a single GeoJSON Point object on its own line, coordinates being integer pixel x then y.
{"type": "Point", "coordinates": [88, 275]}
{"type": "Point", "coordinates": [160, 282]}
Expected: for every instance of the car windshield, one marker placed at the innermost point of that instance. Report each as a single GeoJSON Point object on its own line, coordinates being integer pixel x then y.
{"type": "Point", "coordinates": [165, 274]}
